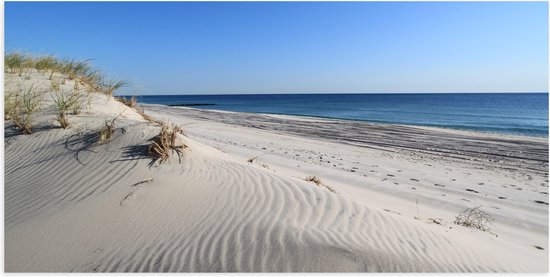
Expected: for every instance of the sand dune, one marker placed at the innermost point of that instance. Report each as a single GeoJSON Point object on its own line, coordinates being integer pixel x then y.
{"type": "Point", "coordinates": [71, 205]}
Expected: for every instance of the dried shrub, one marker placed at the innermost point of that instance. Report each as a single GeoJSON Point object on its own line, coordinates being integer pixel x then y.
{"type": "Point", "coordinates": [164, 144]}
{"type": "Point", "coordinates": [107, 131]}
{"type": "Point", "coordinates": [12, 104]}
{"type": "Point", "coordinates": [149, 118]}
{"type": "Point", "coordinates": [54, 83]}
{"type": "Point", "coordinates": [110, 86]}
{"type": "Point", "coordinates": [132, 102]}
{"type": "Point", "coordinates": [318, 182]}
{"type": "Point", "coordinates": [474, 218]}
{"type": "Point", "coordinates": [31, 100]}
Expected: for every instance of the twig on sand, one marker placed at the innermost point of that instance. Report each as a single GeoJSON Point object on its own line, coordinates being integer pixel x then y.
{"type": "Point", "coordinates": [126, 197]}
{"type": "Point", "coordinates": [144, 181]}
{"type": "Point", "coordinates": [318, 182]}
{"type": "Point", "coordinates": [251, 160]}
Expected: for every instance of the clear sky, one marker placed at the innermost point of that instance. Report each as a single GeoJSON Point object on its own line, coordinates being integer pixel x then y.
{"type": "Point", "coordinates": [295, 47]}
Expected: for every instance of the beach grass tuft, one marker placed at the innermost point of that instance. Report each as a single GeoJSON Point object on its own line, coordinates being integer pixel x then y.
{"type": "Point", "coordinates": [107, 131]}
{"type": "Point", "coordinates": [164, 144]}
{"type": "Point", "coordinates": [110, 86]}
{"type": "Point", "coordinates": [132, 102]}
{"type": "Point", "coordinates": [317, 181]}
{"type": "Point", "coordinates": [31, 100]}
{"type": "Point", "coordinates": [63, 103]}
{"type": "Point", "coordinates": [474, 218]}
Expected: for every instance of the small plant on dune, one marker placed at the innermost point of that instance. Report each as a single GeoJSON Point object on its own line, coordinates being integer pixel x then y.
{"type": "Point", "coordinates": [107, 131]}
{"type": "Point", "coordinates": [54, 83]}
{"type": "Point", "coordinates": [28, 64]}
{"type": "Point", "coordinates": [63, 104]}
{"type": "Point", "coordinates": [13, 62]}
{"type": "Point", "coordinates": [12, 104]}
{"type": "Point", "coordinates": [75, 69]}
{"type": "Point", "coordinates": [77, 107]}
{"type": "Point", "coordinates": [93, 79]}
{"type": "Point", "coordinates": [318, 182]}
{"type": "Point", "coordinates": [132, 102]}
{"type": "Point", "coordinates": [109, 87]}
{"type": "Point", "coordinates": [31, 101]}
{"type": "Point", "coordinates": [474, 218]}
{"type": "Point", "coordinates": [164, 144]}
{"type": "Point", "coordinates": [45, 63]}
{"type": "Point", "coordinates": [149, 118]}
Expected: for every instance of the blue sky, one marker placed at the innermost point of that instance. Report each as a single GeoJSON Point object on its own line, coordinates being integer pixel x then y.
{"type": "Point", "coordinates": [295, 47]}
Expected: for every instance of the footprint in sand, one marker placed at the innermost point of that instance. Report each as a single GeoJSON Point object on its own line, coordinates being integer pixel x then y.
{"type": "Point", "coordinates": [471, 190]}
{"type": "Point", "coordinates": [538, 247]}
{"type": "Point", "coordinates": [540, 202]}
{"type": "Point", "coordinates": [481, 184]}
{"type": "Point", "coordinates": [412, 179]}
{"type": "Point", "coordinates": [438, 185]}
{"type": "Point", "coordinates": [501, 197]}
{"type": "Point", "coordinates": [390, 175]}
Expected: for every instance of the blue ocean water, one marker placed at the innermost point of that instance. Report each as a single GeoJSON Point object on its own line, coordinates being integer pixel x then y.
{"type": "Point", "coordinates": [511, 113]}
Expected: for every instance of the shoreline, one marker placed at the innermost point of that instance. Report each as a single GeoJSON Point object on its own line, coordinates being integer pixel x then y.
{"type": "Point", "coordinates": [508, 150]}
{"type": "Point", "coordinates": [436, 127]}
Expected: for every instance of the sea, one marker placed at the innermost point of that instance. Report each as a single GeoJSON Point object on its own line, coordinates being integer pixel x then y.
{"type": "Point", "coordinates": [506, 113]}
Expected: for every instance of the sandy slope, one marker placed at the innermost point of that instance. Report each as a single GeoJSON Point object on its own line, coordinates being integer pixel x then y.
{"type": "Point", "coordinates": [74, 206]}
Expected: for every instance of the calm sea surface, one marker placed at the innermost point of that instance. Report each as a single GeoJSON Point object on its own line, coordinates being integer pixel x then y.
{"type": "Point", "coordinates": [511, 113]}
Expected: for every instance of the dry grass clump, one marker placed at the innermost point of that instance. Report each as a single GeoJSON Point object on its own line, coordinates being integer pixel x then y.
{"type": "Point", "coordinates": [318, 182]}
{"type": "Point", "coordinates": [132, 102]}
{"type": "Point", "coordinates": [474, 218]}
{"type": "Point", "coordinates": [107, 131]}
{"type": "Point", "coordinates": [75, 69]}
{"type": "Point", "coordinates": [30, 100]}
{"type": "Point", "coordinates": [110, 86]}
{"type": "Point", "coordinates": [12, 104]}
{"type": "Point", "coordinates": [64, 103]}
{"type": "Point", "coordinates": [12, 109]}
{"type": "Point", "coordinates": [149, 118]}
{"type": "Point", "coordinates": [13, 62]}
{"type": "Point", "coordinates": [45, 63]}
{"type": "Point", "coordinates": [164, 144]}
{"type": "Point", "coordinates": [54, 83]}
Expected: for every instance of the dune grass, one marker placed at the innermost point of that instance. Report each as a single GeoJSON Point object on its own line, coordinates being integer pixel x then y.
{"type": "Point", "coordinates": [474, 218]}
{"type": "Point", "coordinates": [30, 100]}
{"type": "Point", "coordinates": [75, 69]}
{"type": "Point", "coordinates": [13, 62]}
{"type": "Point", "coordinates": [63, 103]}
{"type": "Point", "coordinates": [45, 63]}
{"type": "Point", "coordinates": [132, 102]}
{"type": "Point", "coordinates": [106, 132]}
{"type": "Point", "coordinates": [110, 86]}
{"type": "Point", "coordinates": [164, 144]}
{"type": "Point", "coordinates": [317, 181]}
{"type": "Point", "coordinates": [12, 107]}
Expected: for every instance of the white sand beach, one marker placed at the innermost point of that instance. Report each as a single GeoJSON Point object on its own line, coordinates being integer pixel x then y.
{"type": "Point", "coordinates": [238, 201]}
